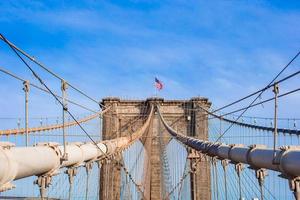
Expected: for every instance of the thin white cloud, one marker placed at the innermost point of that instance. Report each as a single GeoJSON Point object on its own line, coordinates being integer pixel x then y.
{"type": "Point", "coordinates": [170, 41]}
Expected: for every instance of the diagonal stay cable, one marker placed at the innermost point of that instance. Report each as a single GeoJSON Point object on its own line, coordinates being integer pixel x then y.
{"type": "Point", "coordinates": [46, 69]}
{"type": "Point", "coordinates": [265, 88]}
{"type": "Point", "coordinates": [264, 101]}
{"type": "Point", "coordinates": [261, 90]}
{"type": "Point", "coordinates": [183, 177]}
{"type": "Point", "coordinates": [127, 172]}
{"type": "Point", "coordinates": [50, 91]}
{"type": "Point", "coordinates": [258, 96]}
{"type": "Point", "coordinates": [256, 104]}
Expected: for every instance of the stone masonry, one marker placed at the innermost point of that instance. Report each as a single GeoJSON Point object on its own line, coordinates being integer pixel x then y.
{"type": "Point", "coordinates": [126, 116]}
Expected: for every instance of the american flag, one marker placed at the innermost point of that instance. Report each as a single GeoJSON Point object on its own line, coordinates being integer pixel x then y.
{"type": "Point", "coordinates": [158, 84]}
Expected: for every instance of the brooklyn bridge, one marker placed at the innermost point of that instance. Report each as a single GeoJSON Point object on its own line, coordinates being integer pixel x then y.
{"type": "Point", "coordinates": [154, 148]}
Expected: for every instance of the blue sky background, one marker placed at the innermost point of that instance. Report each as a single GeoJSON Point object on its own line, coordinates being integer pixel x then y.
{"type": "Point", "coordinates": [222, 50]}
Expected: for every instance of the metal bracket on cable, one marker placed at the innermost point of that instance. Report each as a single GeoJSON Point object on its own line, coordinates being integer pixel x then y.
{"type": "Point", "coordinates": [194, 158]}
{"type": "Point", "coordinates": [239, 168]}
{"type": "Point", "coordinates": [214, 160]}
{"type": "Point", "coordinates": [294, 182]}
{"type": "Point", "coordinates": [72, 172]}
{"type": "Point", "coordinates": [295, 187]}
{"type": "Point", "coordinates": [43, 182]}
{"type": "Point", "coordinates": [260, 175]}
{"type": "Point", "coordinates": [88, 166]}
{"type": "Point", "coordinates": [224, 163]}
{"type": "Point", "coordinates": [99, 163]}
{"type": "Point", "coordinates": [193, 154]}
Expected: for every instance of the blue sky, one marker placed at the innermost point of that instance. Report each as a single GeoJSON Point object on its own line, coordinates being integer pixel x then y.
{"type": "Point", "coordinates": [218, 49]}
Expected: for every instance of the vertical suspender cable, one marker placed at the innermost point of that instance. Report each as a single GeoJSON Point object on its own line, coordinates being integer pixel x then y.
{"type": "Point", "coordinates": [26, 90]}
{"type": "Point", "coordinates": [276, 91]}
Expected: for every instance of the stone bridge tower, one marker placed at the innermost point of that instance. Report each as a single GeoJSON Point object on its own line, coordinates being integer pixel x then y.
{"type": "Point", "coordinates": [126, 116]}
